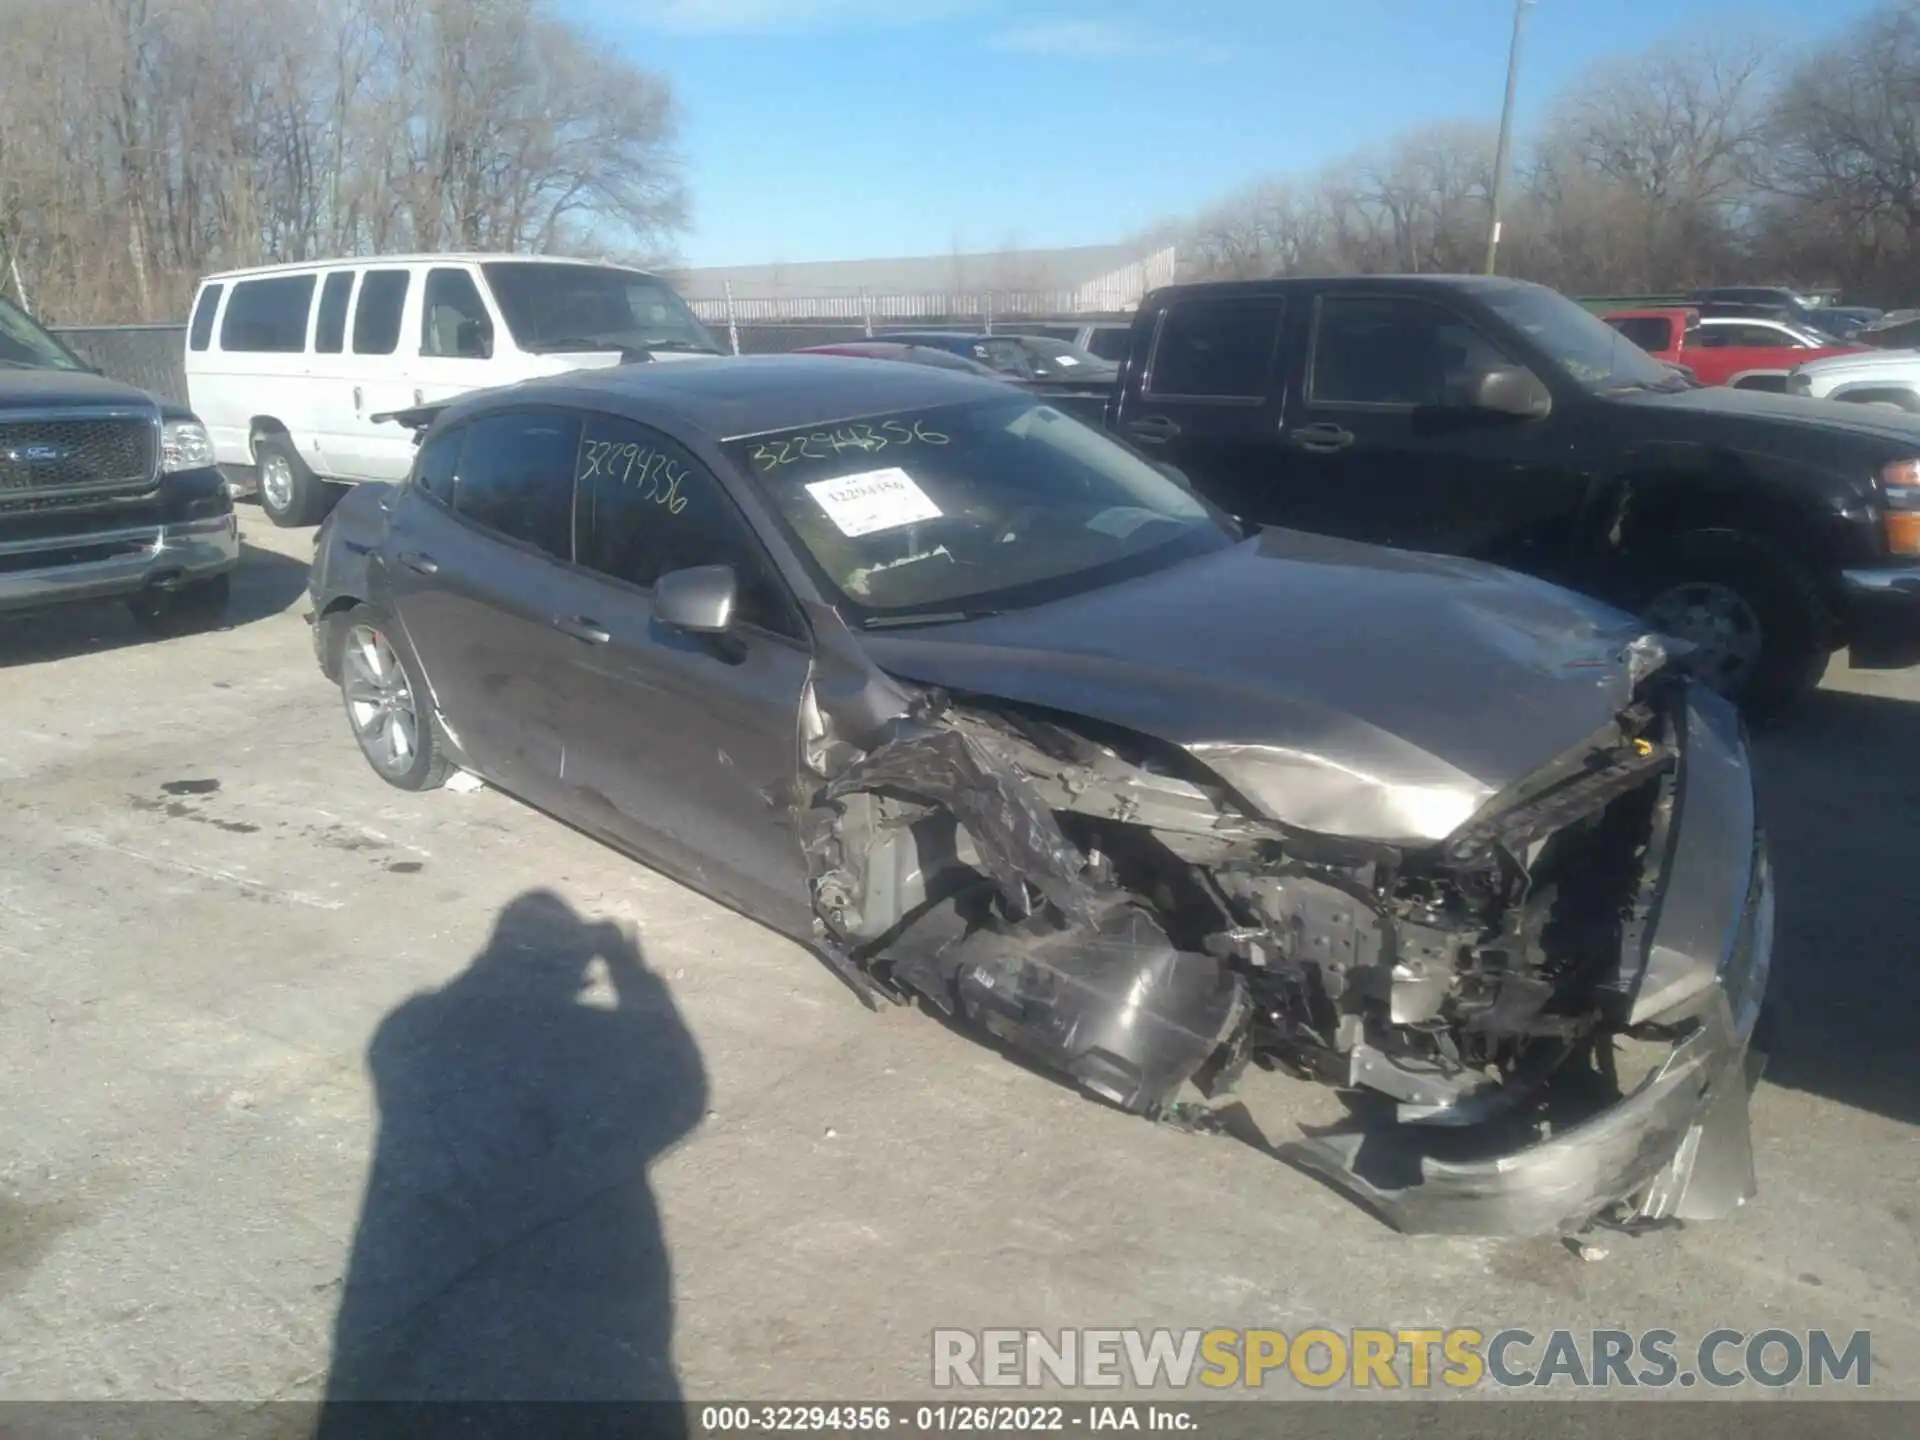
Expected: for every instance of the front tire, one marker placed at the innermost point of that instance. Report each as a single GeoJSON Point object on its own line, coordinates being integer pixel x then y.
{"type": "Point", "coordinates": [1762, 628]}
{"type": "Point", "coordinates": [186, 610]}
{"type": "Point", "coordinates": [387, 704]}
{"type": "Point", "coordinates": [290, 493]}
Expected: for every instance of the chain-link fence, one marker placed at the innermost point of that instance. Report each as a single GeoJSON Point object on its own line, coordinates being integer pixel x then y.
{"type": "Point", "coordinates": [152, 357]}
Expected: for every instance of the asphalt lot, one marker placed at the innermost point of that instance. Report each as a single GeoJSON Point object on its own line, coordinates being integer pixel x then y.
{"type": "Point", "coordinates": [268, 1026]}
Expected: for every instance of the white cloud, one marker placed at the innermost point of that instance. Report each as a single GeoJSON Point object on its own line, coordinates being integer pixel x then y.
{"type": "Point", "coordinates": [1104, 40]}
{"type": "Point", "coordinates": [719, 16]}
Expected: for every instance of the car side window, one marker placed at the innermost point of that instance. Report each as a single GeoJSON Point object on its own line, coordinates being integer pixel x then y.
{"type": "Point", "coordinates": [645, 506]}
{"type": "Point", "coordinates": [437, 463]}
{"type": "Point", "coordinates": [330, 325]}
{"type": "Point", "coordinates": [1216, 349]}
{"type": "Point", "coordinates": [376, 319]}
{"type": "Point", "coordinates": [453, 318]}
{"type": "Point", "coordinates": [515, 477]}
{"type": "Point", "coordinates": [201, 334]}
{"type": "Point", "coordinates": [1381, 350]}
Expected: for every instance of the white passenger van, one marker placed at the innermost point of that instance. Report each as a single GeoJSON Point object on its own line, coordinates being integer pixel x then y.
{"type": "Point", "coordinates": [288, 364]}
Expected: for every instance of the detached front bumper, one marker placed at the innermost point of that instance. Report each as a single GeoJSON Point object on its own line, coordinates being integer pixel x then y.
{"type": "Point", "coordinates": [1677, 1145]}
{"type": "Point", "coordinates": [1883, 616]}
{"type": "Point", "coordinates": [55, 570]}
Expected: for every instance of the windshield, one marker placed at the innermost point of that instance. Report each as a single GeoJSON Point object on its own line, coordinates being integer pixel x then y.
{"type": "Point", "coordinates": [552, 306]}
{"type": "Point", "coordinates": [25, 346]}
{"type": "Point", "coordinates": [1595, 354]}
{"type": "Point", "coordinates": [927, 515]}
{"type": "Point", "coordinates": [1057, 360]}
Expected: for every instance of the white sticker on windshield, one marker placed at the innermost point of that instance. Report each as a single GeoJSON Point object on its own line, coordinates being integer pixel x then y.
{"type": "Point", "coordinates": [873, 500]}
{"type": "Point", "coordinates": [1065, 360]}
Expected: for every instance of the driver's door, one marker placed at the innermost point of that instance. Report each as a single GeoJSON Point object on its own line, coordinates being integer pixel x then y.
{"type": "Point", "coordinates": [1380, 447]}
{"type": "Point", "coordinates": [682, 749]}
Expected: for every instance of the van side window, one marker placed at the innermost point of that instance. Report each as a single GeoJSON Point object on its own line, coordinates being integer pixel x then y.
{"type": "Point", "coordinates": [376, 319]}
{"type": "Point", "coordinates": [330, 327]}
{"type": "Point", "coordinates": [1216, 349]}
{"type": "Point", "coordinates": [201, 335]}
{"type": "Point", "coordinates": [434, 466]}
{"type": "Point", "coordinates": [268, 316]}
{"type": "Point", "coordinates": [453, 317]}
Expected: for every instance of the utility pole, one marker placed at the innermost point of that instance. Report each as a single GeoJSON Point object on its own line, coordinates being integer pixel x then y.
{"type": "Point", "coordinates": [1520, 8]}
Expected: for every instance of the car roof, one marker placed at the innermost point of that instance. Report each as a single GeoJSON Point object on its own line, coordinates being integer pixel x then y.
{"type": "Point", "coordinates": [726, 398]}
{"type": "Point", "coordinates": [469, 257]}
{"type": "Point", "coordinates": [1352, 284]}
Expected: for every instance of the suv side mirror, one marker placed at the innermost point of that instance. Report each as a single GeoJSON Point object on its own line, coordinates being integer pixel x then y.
{"type": "Point", "coordinates": [1509, 390]}
{"type": "Point", "coordinates": [698, 600]}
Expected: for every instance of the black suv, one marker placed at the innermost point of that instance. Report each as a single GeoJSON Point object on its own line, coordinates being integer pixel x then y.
{"type": "Point", "coordinates": [105, 492]}
{"type": "Point", "coordinates": [1499, 420]}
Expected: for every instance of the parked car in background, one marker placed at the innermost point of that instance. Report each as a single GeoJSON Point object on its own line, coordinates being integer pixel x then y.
{"type": "Point", "coordinates": [1844, 321]}
{"type": "Point", "coordinates": [1888, 379]}
{"type": "Point", "coordinates": [1085, 401]}
{"type": "Point", "coordinates": [105, 492]}
{"type": "Point", "coordinates": [1025, 357]}
{"type": "Point", "coordinates": [1796, 307]}
{"type": "Point", "coordinates": [1748, 352]}
{"type": "Point", "coordinates": [1495, 419]}
{"type": "Point", "coordinates": [1104, 339]}
{"type": "Point", "coordinates": [291, 365]}
{"type": "Point", "coordinates": [984, 708]}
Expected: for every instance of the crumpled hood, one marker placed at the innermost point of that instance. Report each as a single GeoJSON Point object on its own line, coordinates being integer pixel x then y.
{"type": "Point", "coordinates": [1342, 688]}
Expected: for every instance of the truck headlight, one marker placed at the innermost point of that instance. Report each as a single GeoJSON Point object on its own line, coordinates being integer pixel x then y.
{"type": "Point", "coordinates": [1900, 483]}
{"type": "Point", "coordinates": [184, 445]}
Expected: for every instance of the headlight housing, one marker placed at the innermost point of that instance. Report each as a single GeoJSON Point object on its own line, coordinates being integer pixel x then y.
{"type": "Point", "coordinates": [184, 445]}
{"type": "Point", "coordinates": [1900, 483]}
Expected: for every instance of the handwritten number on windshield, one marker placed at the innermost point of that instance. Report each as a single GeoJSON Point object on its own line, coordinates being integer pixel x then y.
{"type": "Point", "coordinates": [826, 444]}
{"type": "Point", "coordinates": [656, 476]}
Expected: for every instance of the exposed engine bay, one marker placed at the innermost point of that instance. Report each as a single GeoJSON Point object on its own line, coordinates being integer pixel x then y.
{"type": "Point", "coordinates": [1107, 905]}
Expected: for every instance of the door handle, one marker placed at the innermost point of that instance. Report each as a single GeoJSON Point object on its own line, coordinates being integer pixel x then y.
{"type": "Point", "coordinates": [357, 401]}
{"type": "Point", "coordinates": [581, 628]}
{"type": "Point", "coordinates": [1154, 429]}
{"type": "Point", "coordinates": [425, 564]}
{"type": "Point", "coordinates": [1322, 439]}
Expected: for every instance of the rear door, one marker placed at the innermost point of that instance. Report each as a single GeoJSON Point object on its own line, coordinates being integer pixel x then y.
{"type": "Point", "coordinates": [376, 377]}
{"type": "Point", "coordinates": [1381, 447]}
{"type": "Point", "coordinates": [1209, 398]}
{"type": "Point", "coordinates": [330, 378]}
{"type": "Point", "coordinates": [477, 555]}
{"type": "Point", "coordinates": [681, 748]}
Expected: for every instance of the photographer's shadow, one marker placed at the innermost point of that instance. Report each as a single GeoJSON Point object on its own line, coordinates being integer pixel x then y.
{"type": "Point", "coordinates": [508, 1245]}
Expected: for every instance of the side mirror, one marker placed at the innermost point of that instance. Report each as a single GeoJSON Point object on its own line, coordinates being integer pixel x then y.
{"type": "Point", "coordinates": [698, 600]}
{"type": "Point", "coordinates": [1509, 390]}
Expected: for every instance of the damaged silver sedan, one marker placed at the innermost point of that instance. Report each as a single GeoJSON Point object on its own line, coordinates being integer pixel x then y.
{"type": "Point", "coordinates": [993, 713]}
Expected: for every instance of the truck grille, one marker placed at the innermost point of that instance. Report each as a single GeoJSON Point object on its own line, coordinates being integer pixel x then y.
{"type": "Point", "coordinates": [51, 459]}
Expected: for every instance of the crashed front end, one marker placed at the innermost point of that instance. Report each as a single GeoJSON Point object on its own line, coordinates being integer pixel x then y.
{"type": "Point", "coordinates": [1540, 1021]}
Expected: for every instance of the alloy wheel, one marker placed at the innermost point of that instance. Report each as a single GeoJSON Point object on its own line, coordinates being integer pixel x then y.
{"type": "Point", "coordinates": [380, 701]}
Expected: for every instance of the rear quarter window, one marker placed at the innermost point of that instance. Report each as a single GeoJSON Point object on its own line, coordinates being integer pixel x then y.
{"type": "Point", "coordinates": [200, 333]}
{"type": "Point", "coordinates": [268, 316]}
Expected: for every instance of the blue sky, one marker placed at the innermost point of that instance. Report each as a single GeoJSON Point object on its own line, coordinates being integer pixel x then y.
{"type": "Point", "coordinates": [844, 129]}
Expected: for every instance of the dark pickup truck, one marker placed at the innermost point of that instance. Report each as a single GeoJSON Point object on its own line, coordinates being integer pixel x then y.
{"type": "Point", "coordinates": [1499, 420]}
{"type": "Point", "coordinates": [105, 492]}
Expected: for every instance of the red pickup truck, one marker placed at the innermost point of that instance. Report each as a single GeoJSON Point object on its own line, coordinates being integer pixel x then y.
{"type": "Point", "coordinates": [1747, 352]}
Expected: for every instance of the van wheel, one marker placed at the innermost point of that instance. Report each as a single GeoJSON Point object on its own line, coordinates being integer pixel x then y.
{"type": "Point", "coordinates": [386, 703]}
{"type": "Point", "coordinates": [1762, 629]}
{"type": "Point", "coordinates": [290, 493]}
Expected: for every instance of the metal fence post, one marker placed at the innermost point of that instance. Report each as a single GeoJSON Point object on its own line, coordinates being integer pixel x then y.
{"type": "Point", "coordinates": [733, 327]}
{"type": "Point", "coordinates": [989, 312]}
{"type": "Point", "coordinates": [866, 311]}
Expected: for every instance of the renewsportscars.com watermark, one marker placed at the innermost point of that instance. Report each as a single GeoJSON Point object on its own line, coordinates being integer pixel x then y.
{"type": "Point", "coordinates": [1392, 1359]}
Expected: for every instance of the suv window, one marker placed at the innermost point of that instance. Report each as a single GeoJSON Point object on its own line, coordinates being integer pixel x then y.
{"type": "Point", "coordinates": [268, 316]}
{"type": "Point", "coordinates": [515, 477]}
{"type": "Point", "coordinates": [1649, 332]}
{"type": "Point", "coordinates": [453, 318]}
{"type": "Point", "coordinates": [201, 334]}
{"type": "Point", "coordinates": [1380, 350]}
{"type": "Point", "coordinates": [376, 319]}
{"type": "Point", "coordinates": [435, 465]}
{"type": "Point", "coordinates": [330, 326]}
{"type": "Point", "coordinates": [1216, 349]}
{"type": "Point", "coordinates": [1110, 342]}
{"type": "Point", "coordinates": [645, 506]}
